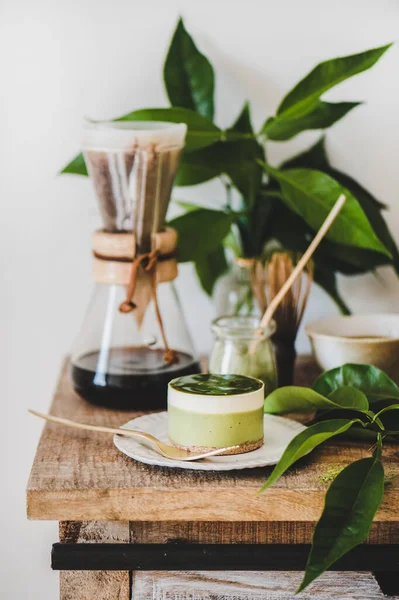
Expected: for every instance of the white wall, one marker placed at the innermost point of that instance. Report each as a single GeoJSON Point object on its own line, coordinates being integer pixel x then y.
{"type": "Point", "coordinates": [63, 60]}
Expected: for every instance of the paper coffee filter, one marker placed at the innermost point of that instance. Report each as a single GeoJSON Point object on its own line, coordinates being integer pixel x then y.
{"type": "Point", "coordinates": [114, 136]}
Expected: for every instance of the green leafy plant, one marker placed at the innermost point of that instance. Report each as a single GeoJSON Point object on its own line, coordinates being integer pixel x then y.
{"type": "Point", "coordinates": [267, 205]}
{"type": "Point", "coordinates": [352, 399]}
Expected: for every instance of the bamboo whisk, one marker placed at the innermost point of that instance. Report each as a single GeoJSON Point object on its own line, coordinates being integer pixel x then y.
{"type": "Point", "coordinates": [289, 313]}
{"type": "Point", "coordinates": [296, 273]}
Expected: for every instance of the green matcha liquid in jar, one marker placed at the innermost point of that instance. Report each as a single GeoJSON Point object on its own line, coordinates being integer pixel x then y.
{"type": "Point", "coordinates": [239, 349]}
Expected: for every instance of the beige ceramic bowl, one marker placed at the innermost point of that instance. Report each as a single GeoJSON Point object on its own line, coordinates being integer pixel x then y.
{"type": "Point", "coordinates": [366, 339]}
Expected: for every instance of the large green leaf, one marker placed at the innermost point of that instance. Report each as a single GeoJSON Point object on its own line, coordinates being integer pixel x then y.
{"type": "Point", "coordinates": [77, 166]}
{"type": "Point", "coordinates": [242, 164]}
{"type": "Point", "coordinates": [349, 397]}
{"type": "Point", "coordinates": [372, 209]}
{"type": "Point", "coordinates": [341, 259]}
{"type": "Point", "coordinates": [389, 415]}
{"type": "Point", "coordinates": [260, 223]}
{"type": "Point", "coordinates": [197, 167]}
{"type": "Point", "coordinates": [348, 259]}
{"type": "Point", "coordinates": [312, 194]}
{"type": "Point", "coordinates": [210, 267]}
{"type": "Point", "coordinates": [301, 399]}
{"type": "Point", "coordinates": [201, 131]}
{"type": "Point", "coordinates": [304, 442]}
{"type": "Point", "coordinates": [350, 505]}
{"type": "Point", "coordinates": [189, 206]}
{"type": "Point", "coordinates": [370, 380]}
{"type": "Point", "coordinates": [321, 116]}
{"type": "Point", "coordinates": [188, 74]}
{"type": "Point", "coordinates": [314, 157]}
{"type": "Point", "coordinates": [243, 123]}
{"type": "Point", "coordinates": [236, 158]}
{"type": "Point", "coordinates": [327, 280]}
{"type": "Point", "coordinates": [294, 234]}
{"type": "Point", "coordinates": [200, 232]}
{"type": "Point", "coordinates": [303, 97]}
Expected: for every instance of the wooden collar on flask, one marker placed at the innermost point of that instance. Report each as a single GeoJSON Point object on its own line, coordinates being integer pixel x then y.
{"type": "Point", "coordinates": [114, 254]}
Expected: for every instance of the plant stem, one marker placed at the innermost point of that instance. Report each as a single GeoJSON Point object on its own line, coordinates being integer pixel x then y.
{"type": "Point", "coordinates": [228, 187]}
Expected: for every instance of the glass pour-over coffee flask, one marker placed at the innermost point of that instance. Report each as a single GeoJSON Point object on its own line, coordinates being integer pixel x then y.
{"type": "Point", "coordinates": [134, 339]}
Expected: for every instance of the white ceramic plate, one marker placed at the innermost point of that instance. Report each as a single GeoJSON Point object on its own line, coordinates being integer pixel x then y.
{"type": "Point", "coordinates": [278, 434]}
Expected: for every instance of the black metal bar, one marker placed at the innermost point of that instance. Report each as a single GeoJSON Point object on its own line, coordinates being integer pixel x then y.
{"type": "Point", "coordinates": [388, 582]}
{"type": "Point", "coordinates": [213, 557]}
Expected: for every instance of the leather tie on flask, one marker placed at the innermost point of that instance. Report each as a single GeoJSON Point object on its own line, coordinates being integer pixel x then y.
{"type": "Point", "coordinates": [115, 262]}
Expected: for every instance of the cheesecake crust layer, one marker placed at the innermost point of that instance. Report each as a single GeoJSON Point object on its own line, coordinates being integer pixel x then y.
{"type": "Point", "coordinates": [241, 448]}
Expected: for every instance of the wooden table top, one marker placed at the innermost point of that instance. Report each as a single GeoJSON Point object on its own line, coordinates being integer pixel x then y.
{"type": "Point", "coordinates": [81, 476]}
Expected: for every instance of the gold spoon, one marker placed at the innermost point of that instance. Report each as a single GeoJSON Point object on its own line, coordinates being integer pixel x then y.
{"type": "Point", "coordinates": [160, 447]}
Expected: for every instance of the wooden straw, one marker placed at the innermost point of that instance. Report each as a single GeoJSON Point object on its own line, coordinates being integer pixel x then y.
{"type": "Point", "coordinates": [302, 262]}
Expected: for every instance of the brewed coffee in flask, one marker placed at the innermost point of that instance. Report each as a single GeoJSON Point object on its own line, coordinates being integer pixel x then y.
{"type": "Point", "coordinates": [134, 338]}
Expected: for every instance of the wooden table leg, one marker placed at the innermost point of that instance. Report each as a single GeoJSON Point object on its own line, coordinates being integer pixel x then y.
{"type": "Point", "coordinates": [251, 585]}
{"type": "Point", "coordinates": [94, 585]}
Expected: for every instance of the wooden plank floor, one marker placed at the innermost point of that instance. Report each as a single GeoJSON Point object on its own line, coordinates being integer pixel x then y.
{"type": "Point", "coordinates": [81, 476]}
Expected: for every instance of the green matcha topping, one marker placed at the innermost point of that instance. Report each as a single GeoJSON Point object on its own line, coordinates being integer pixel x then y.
{"type": "Point", "coordinates": [216, 385]}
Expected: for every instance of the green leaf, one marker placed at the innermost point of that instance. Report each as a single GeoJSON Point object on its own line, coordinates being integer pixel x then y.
{"type": "Point", "coordinates": [314, 157]}
{"type": "Point", "coordinates": [235, 157]}
{"type": "Point", "coordinates": [188, 74]}
{"type": "Point", "coordinates": [372, 209]}
{"type": "Point", "coordinates": [348, 259]}
{"type": "Point", "coordinates": [197, 167]}
{"type": "Point", "coordinates": [260, 223]}
{"type": "Point", "coordinates": [77, 166]}
{"type": "Point", "coordinates": [200, 232]}
{"type": "Point", "coordinates": [386, 409]}
{"type": "Point", "coordinates": [321, 116]}
{"type": "Point", "coordinates": [241, 163]}
{"type": "Point", "coordinates": [243, 123]}
{"type": "Point", "coordinates": [188, 206]}
{"type": "Point", "coordinates": [304, 442]}
{"type": "Point", "coordinates": [301, 399]}
{"type": "Point", "coordinates": [362, 260]}
{"type": "Point", "coordinates": [312, 194]}
{"type": "Point", "coordinates": [303, 97]}
{"type": "Point", "coordinates": [370, 380]}
{"type": "Point", "coordinates": [294, 234]}
{"type": "Point", "coordinates": [389, 415]}
{"type": "Point", "coordinates": [201, 131]}
{"type": "Point", "coordinates": [350, 505]}
{"type": "Point", "coordinates": [349, 397]}
{"type": "Point", "coordinates": [210, 267]}
{"type": "Point", "coordinates": [327, 280]}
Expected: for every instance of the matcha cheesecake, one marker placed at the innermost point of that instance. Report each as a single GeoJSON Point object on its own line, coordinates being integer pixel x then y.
{"type": "Point", "coordinates": [216, 411]}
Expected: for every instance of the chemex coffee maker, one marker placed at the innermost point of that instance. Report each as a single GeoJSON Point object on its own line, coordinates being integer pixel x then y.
{"type": "Point", "coordinates": [134, 339]}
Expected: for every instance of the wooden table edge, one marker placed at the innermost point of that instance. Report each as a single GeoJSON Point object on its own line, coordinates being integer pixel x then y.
{"type": "Point", "coordinates": [142, 504]}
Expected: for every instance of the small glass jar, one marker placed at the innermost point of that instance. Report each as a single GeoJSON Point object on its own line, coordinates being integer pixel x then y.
{"type": "Point", "coordinates": [239, 348]}
{"type": "Point", "coordinates": [233, 293]}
